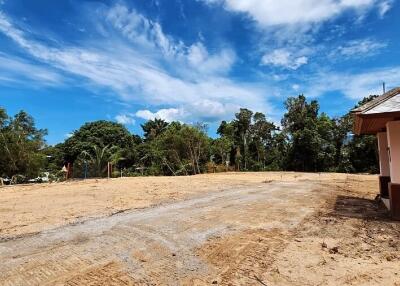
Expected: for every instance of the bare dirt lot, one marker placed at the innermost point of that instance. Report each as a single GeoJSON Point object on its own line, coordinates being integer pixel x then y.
{"type": "Point", "coordinates": [221, 229]}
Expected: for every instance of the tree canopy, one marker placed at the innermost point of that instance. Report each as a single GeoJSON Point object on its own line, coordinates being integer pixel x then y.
{"type": "Point", "coordinates": [306, 140]}
{"type": "Point", "coordinates": [20, 145]}
{"type": "Point", "coordinates": [99, 133]}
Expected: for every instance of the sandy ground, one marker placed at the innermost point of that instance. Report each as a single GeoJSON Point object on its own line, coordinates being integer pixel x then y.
{"type": "Point", "coordinates": [220, 229]}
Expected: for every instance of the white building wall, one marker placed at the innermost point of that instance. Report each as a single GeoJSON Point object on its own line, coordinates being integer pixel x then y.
{"type": "Point", "coordinates": [393, 136]}
{"type": "Point", "coordinates": [383, 154]}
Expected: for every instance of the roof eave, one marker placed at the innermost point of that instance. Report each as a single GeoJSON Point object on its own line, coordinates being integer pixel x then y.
{"type": "Point", "coordinates": [371, 104]}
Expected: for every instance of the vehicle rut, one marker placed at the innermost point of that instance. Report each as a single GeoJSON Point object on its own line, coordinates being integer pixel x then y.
{"type": "Point", "coordinates": [151, 246]}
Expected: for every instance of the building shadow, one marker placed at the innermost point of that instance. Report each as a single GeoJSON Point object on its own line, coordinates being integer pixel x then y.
{"type": "Point", "coordinates": [356, 207]}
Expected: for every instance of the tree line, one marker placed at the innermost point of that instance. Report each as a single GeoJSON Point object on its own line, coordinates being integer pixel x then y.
{"type": "Point", "coordinates": [306, 140]}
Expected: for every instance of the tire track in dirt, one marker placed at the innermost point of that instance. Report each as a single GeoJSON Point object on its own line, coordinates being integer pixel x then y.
{"type": "Point", "coordinates": [152, 246]}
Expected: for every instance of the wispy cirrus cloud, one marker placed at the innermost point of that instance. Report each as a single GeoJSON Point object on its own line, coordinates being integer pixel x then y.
{"type": "Point", "coordinates": [290, 26]}
{"type": "Point", "coordinates": [165, 77]}
{"type": "Point", "coordinates": [353, 85]}
{"type": "Point", "coordinates": [140, 30]}
{"type": "Point", "coordinates": [384, 7]}
{"type": "Point", "coordinates": [359, 48]}
{"type": "Point", "coordinates": [185, 77]}
{"type": "Point", "coordinates": [149, 37]}
{"type": "Point", "coordinates": [16, 70]}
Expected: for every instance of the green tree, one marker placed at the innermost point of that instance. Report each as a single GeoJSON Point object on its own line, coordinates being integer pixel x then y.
{"type": "Point", "coordinates": [226, 129]}
{"type": "Point", "coordinates": [101, 134]}
{"type": "Point", "coordinates": [154, 128]}
{"type": "Point", "coordinates": [301, 124]}
{"type": "Point", "coordinates": [20, 145]}
{"type": "Point", "coordinates": [55, 158]}
{"type": "Point", "coordinates": [98, 158]}
{"type": "Point", "coordinates": [167, 152]}
{"type": "Point", "coordinates": [343, 127]}
{"type": "Point", "coordinates": [261, 133]}
{"type": "Point", "coordinates": [357, 153]}
{"type": "Point", "coordinates": [326, 129]}
{"type": "Point", "coordinates": [180, 149]}
{"type": "Point", "coordinates": [3, 117]}
{"type": "Point", "coordinates": [277, 158]}
{"type": "Point", "coordinates": [196, 147]}
{"type": "Point", "coordinates": [242, 125]}
{"type": "Point", "coordinates": [221, 149]}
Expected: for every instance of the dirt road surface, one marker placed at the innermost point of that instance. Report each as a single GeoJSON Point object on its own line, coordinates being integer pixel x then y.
{"type": "Point", "coordinates": [223, 229]}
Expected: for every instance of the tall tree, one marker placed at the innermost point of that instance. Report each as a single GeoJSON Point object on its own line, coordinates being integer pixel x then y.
{"type": "Point", "coordinates": [3, 117]}
{"type": "Point", "coordinates": [242, 124]}
{"type": "Point", "coordinates": [154, 128]}
{"type": "Point", "coordinates": [343, 126]}
{"type": "Point", "coordinates": [221, 148]}
{"type": "Point", "coordinates": [326, 129]}
{"type": "Point", "coordinates": [179, 149]}
{"type": "Point", "coordinates": [261, 133]}
{"type": "Point", "coordinates": [20, 145]}
{"type": "Point", "coordinates": [278, 151]}
{"type": "Point", "coordinates": [358, 153]}
{"type": "Point", "coordinates": [300, 123]}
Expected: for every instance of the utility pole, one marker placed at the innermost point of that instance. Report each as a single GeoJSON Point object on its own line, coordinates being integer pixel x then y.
{"type": "Point", "coordinates": [86, 169]}
{"type": "Point", "coordinates": [69, 171]}
{"type": "Point", "coordinates": [384, 87]}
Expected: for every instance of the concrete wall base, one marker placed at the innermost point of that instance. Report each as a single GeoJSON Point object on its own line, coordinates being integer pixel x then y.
{"type": "Point", "coordinates": [394, 195]}
{"type": "Point", "coordinates": [386, 202]}
{"type": "Point", "coordinates": [384, 186]}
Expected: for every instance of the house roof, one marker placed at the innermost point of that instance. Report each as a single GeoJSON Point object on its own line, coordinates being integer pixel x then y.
{"type": "Point", "coordinates": [372, 117]}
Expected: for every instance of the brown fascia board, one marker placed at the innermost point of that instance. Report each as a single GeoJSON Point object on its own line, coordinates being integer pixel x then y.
{"type": "Point", "coordinates": [395, 115]}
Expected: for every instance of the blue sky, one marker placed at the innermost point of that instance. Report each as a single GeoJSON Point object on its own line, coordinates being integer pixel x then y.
{"type": "Point", "coordinates": [67, 62]}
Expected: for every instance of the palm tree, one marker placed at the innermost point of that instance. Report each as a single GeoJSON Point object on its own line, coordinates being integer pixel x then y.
{"type": "Point", "coordinates": [101, 156]}
{"type": "Point", "coordinates": [153, 128]}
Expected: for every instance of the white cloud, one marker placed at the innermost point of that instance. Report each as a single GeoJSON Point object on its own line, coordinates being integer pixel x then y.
{"type": "Point", "coordinates": [295, 87]}
{"type": "Point", "coordinates": [187, 82]}
{"type": "Point", "coordinates": [198, 58]}
{"type": "Point", "coordinates": [184, 76]}
{"type": "Point", "coordinates": [140, 29]}
{"type": "Point", "coordinates": [283, 58]}
{"type": "Point", "coordinates": [360, 48]}
{"type": "Point", "coordinates": [150, 36]}
{"type": "Point", "coordinates": [17, 70]}
{"type": "Point", "coordinates": [126, 119]}
{"type": "Point", "coordinates": [205, 110]}
{"type": "Point", "coordinates": [214, 109]}
{"type": "Point", "coordinates": [354, 86]}
{"type": "Point", "coordinates": [168, 114]}
{"type": "Point", "coordinates": [295, 24]}
{"type": "Point", "coordinates": [289, 12]}
{"type": "Point", "coordinates": [384, 7]}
